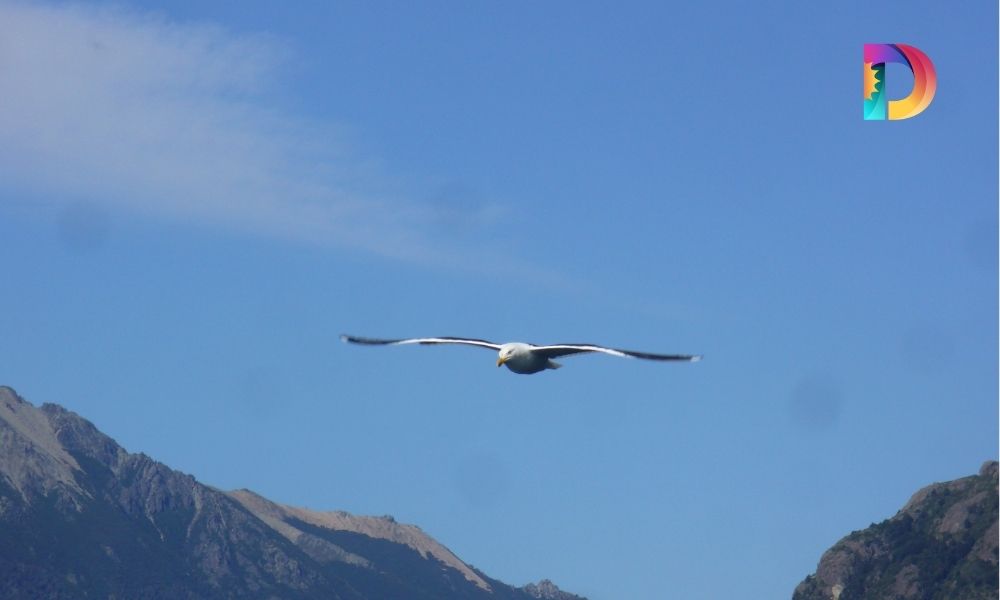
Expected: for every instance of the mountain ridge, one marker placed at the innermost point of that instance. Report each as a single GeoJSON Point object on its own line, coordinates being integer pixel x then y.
{"type": "Point", "coordinates": [942, 545]}
{"type": "Point", "coordinates": [81, 517]}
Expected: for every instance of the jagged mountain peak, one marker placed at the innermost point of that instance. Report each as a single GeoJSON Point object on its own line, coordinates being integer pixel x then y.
{"type": "Point", "coordinates": [941, 544]}
{"type": "Point", "coordinates": [81, 517]}
{"type": "Point", "coordinates": [546, 590]}
{"type": "Point", "coordinates": [32, 458]}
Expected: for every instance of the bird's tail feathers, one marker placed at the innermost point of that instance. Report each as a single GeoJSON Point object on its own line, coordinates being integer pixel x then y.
{"type": "Point", "coordinates": [552, 365]}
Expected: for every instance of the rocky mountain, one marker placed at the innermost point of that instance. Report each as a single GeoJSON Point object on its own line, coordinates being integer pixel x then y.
{"type": "Point", "coordinates": [546, 590]}
{"type": "Point", "coordinates": [82, 518]}
{"type": "Point", "coordinates": [941, 546]}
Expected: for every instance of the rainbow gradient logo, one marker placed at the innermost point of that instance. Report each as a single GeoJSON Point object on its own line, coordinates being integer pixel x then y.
{"type": "Point", "coordinates": [877, 106]}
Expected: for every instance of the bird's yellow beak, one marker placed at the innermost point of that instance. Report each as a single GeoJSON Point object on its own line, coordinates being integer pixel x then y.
{"type": "Point", "coordinates": [500, 361]}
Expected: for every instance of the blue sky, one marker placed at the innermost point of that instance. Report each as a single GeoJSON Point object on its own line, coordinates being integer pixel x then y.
{"type": "Point", "coordinates": [195, 201]}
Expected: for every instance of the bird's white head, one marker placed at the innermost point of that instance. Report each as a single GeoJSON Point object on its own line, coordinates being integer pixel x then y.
{"type": "Point", "coordinates": [506, 353]}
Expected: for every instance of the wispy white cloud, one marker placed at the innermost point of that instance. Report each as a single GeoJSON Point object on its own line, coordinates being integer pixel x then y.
{"type": "Point", "coordinates": [135, 112]}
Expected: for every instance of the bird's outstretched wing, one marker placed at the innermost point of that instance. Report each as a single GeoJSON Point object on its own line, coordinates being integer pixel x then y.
{"type": "Point", "coordinates": [556, 350]}
{"type": "Point", "coordinates": [428, 340]}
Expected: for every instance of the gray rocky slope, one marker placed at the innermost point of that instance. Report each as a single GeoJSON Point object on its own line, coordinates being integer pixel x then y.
{"type": "Point", "coordinates": [941, 546]}
{"type": "Point", "coordinates": [82, 518]}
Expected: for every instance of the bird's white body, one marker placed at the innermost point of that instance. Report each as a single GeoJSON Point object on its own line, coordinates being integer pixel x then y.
{"type": "Point", "coordinates": [518, 357]}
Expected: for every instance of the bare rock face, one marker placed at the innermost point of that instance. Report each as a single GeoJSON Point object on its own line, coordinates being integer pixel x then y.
{"type": "Point", "coordinates": [82, 518]}
{"type": "Point", "coordinates": [941, 545]}
{"type": "Point", "coordinates": [32, 460]}
{"type": "Point", "coordinates": [546, 590]}
{"type": "Point", "coordinates": [283, 518]}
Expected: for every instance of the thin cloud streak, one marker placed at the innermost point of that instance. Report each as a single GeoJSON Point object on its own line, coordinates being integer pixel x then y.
{"type": "Point", "coordinates": [133, 112]}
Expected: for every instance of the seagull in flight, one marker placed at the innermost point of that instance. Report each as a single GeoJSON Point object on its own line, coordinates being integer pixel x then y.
{"type": "Point", "coordinates": [525, 358]}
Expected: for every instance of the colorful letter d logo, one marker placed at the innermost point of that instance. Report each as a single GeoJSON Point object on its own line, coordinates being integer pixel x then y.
{"type": "Point", "coordinates": [924, 82]}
